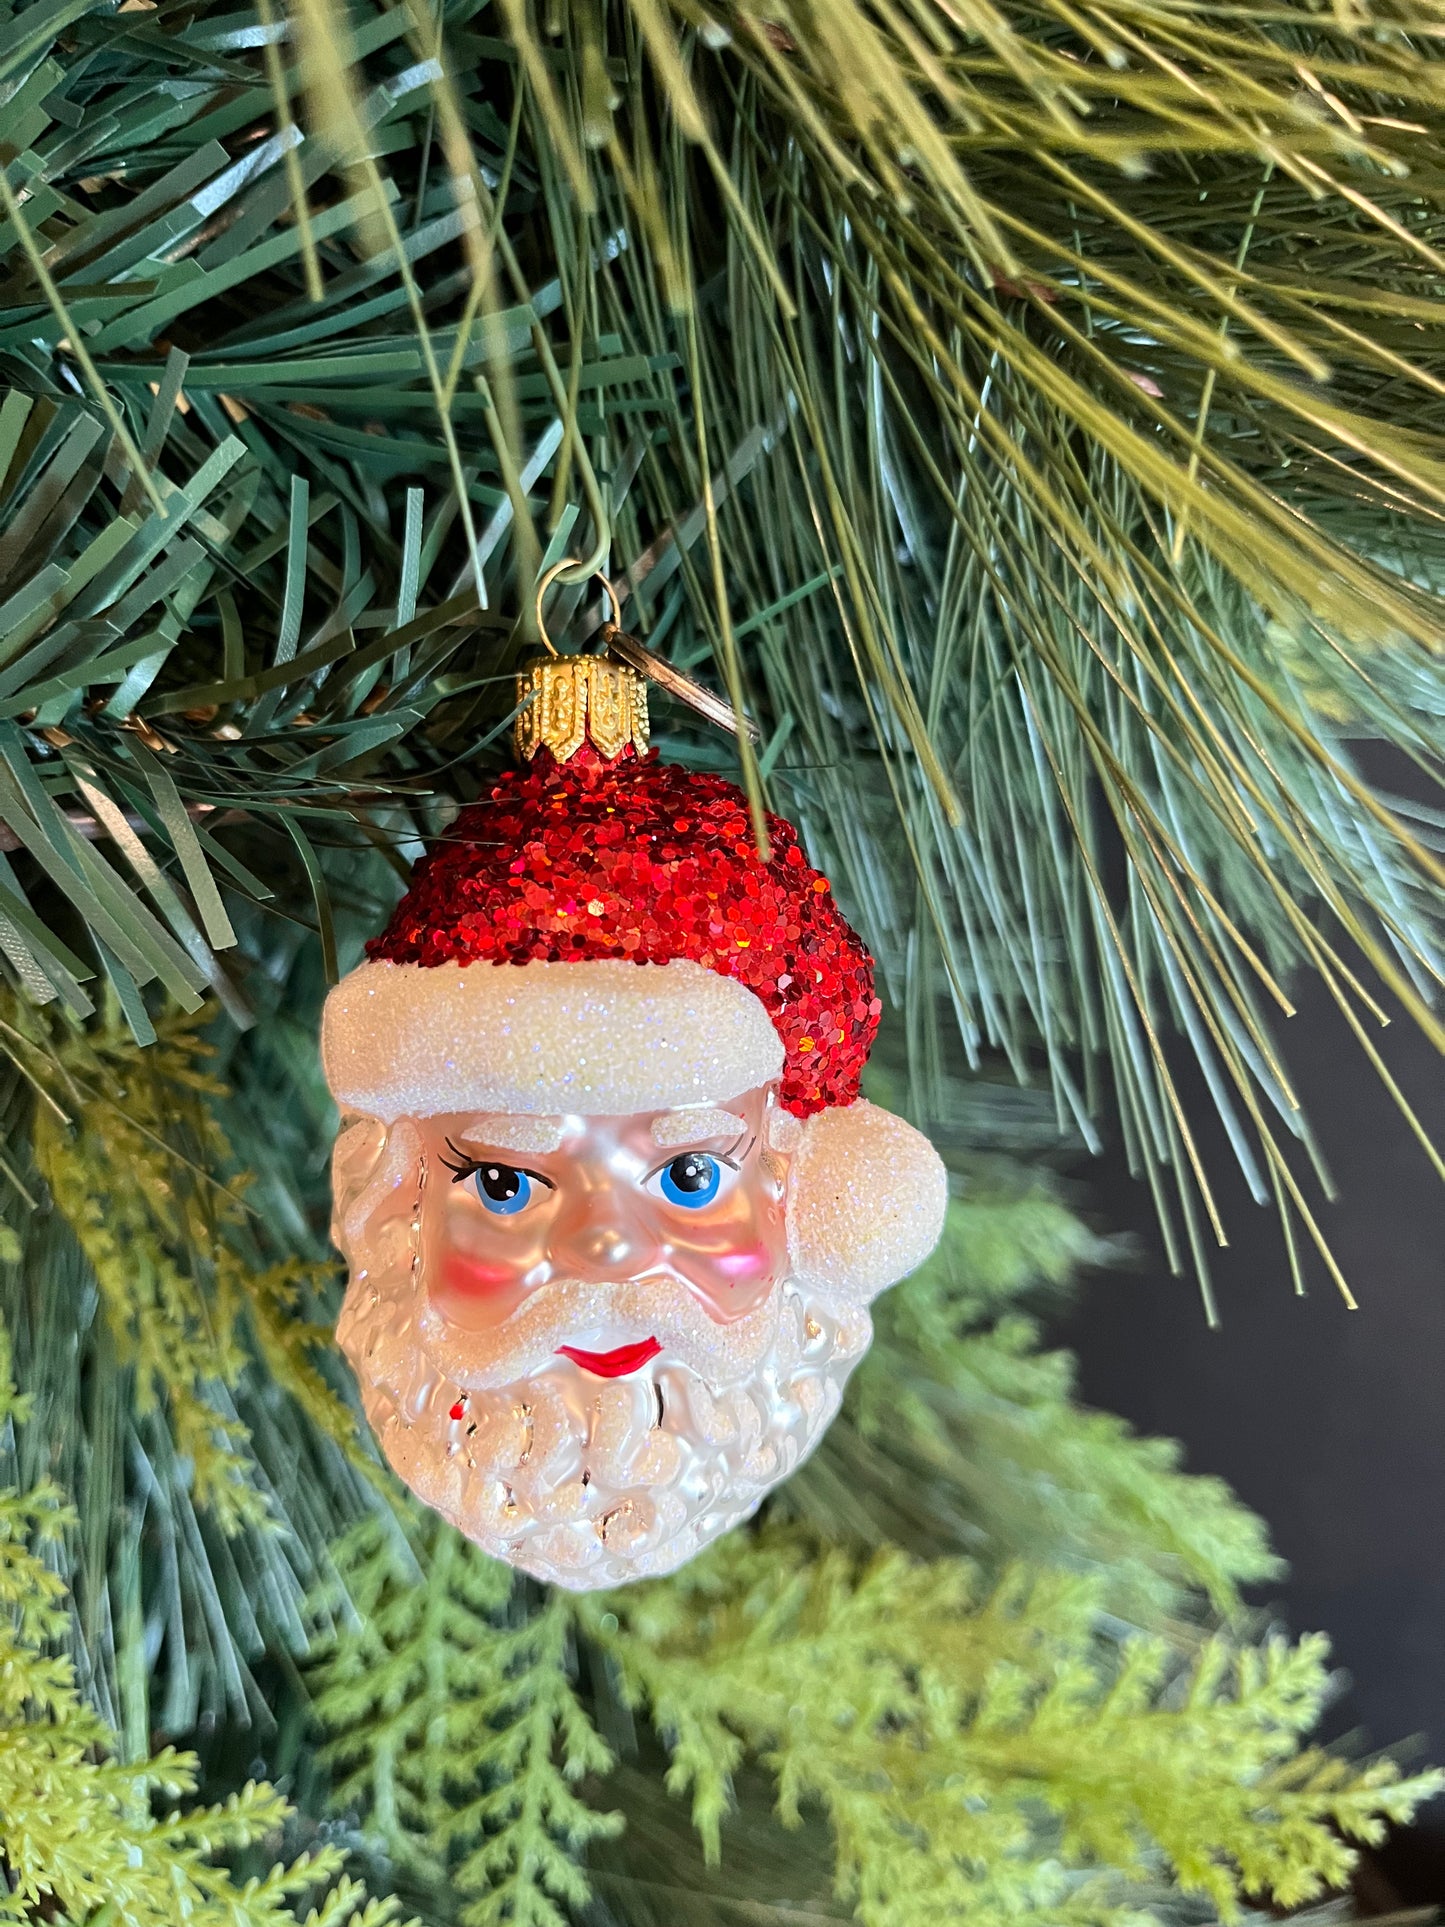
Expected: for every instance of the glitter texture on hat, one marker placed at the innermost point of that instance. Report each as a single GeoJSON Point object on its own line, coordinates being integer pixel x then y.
{"type": "Point", "coordinates": [643, 861]}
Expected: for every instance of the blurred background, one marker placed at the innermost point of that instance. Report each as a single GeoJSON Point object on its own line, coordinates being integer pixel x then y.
{"type": "Point", "coordinates": [1324, 1420]}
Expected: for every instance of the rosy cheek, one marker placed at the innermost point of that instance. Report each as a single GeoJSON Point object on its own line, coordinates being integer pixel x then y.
{"type": "Point", "coordinates": [741, 1267]}
{"type": "Point", "coordinates": [474, 1277]}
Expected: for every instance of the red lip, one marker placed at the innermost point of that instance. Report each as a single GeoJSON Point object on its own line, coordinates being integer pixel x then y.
{"type": "Point", "coordinates": [614, 1364]}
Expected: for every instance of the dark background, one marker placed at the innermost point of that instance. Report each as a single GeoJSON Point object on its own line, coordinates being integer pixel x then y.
{"type": "Point", "coordinates": [1328, 1422]}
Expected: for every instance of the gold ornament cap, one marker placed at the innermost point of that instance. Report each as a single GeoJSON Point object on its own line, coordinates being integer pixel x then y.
{"type": "Point", "coordinates": [566, 701]}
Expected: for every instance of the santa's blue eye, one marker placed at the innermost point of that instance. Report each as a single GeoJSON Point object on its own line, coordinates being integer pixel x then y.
{"type": "Point", "coordinates": [502, 1188]}
{"type": "Point", "coordinates": [691, 1180]}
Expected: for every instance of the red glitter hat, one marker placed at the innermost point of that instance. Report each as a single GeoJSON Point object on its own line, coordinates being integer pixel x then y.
{"type": "Point", "coordinates": [586, 861]}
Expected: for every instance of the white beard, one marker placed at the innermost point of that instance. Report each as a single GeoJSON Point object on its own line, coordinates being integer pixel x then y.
{"type": "Point", "coordinates": [582, 1481]}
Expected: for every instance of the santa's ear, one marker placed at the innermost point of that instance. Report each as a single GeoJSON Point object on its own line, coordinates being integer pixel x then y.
{"type": "Point", "coordinates": [865, 1201]}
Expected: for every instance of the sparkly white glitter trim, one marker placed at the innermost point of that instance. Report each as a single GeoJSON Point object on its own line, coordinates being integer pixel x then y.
{"type": "Point", "coordinates": [496, 1131]}
{"type": "Point", "coordinates": [600, 1038]}
{"type": "Point", "coordinates": [866, 1202]}
{"type": "Point", "coordinates": [695, 1125]}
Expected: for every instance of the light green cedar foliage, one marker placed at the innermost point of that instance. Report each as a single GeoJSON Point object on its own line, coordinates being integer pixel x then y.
{"type": "Point", "coordinates": [80, 1833]}
{"type": "Point", "coordinates": [135, 1163]}
{"type": "Point", "coordinates": [458, 1732]}
{"type": "Point", "coordinates": [958, 1421]}
{"type": "Point", "coordinates": [172, 1341]}
{"type": "Point", "coordinates": [975, 1747]}
{"type": "Point", "coordinates": [172, 1288]}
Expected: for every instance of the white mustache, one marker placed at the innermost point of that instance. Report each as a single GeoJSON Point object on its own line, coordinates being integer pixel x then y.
{"type": "Point", "coordinates": [576, 1311]}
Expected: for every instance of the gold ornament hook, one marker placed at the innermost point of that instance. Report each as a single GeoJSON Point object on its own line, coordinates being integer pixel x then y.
{"type": "Point", "coordinates": [636, 656]}
{"type": "Point", "coordinates": [553, 574]}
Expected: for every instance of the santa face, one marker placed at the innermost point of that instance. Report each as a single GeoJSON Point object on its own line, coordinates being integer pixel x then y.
{"type": "Point", "coordinates": [595, 1343]}
{"type": "Point", "coordinates": [678, 1215]}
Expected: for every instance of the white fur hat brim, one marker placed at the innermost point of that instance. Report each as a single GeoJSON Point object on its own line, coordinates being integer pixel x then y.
{"type": "Point", "coordinates": [597, 1038]}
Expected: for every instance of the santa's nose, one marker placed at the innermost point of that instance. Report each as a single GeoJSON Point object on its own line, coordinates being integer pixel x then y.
{"type": "Point", "coordinates": [601, 1237]}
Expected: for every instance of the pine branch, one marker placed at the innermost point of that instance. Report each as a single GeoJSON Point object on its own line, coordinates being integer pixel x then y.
{"type": "Point", "coordinates": [1076, 450]}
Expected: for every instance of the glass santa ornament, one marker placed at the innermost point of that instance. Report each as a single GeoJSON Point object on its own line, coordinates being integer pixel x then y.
{"type": "Point", "coordinates": [613, 1209]}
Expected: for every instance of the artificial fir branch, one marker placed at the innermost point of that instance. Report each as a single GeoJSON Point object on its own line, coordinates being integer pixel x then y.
{"type": "Point", "coordinates": [1071, 393]}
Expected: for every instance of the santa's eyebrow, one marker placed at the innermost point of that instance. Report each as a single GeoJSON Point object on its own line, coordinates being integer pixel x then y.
{"type": "Point", "coordinates": [514, 1133]}
{"type": "Point", "coordinates": [694, 1127]}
